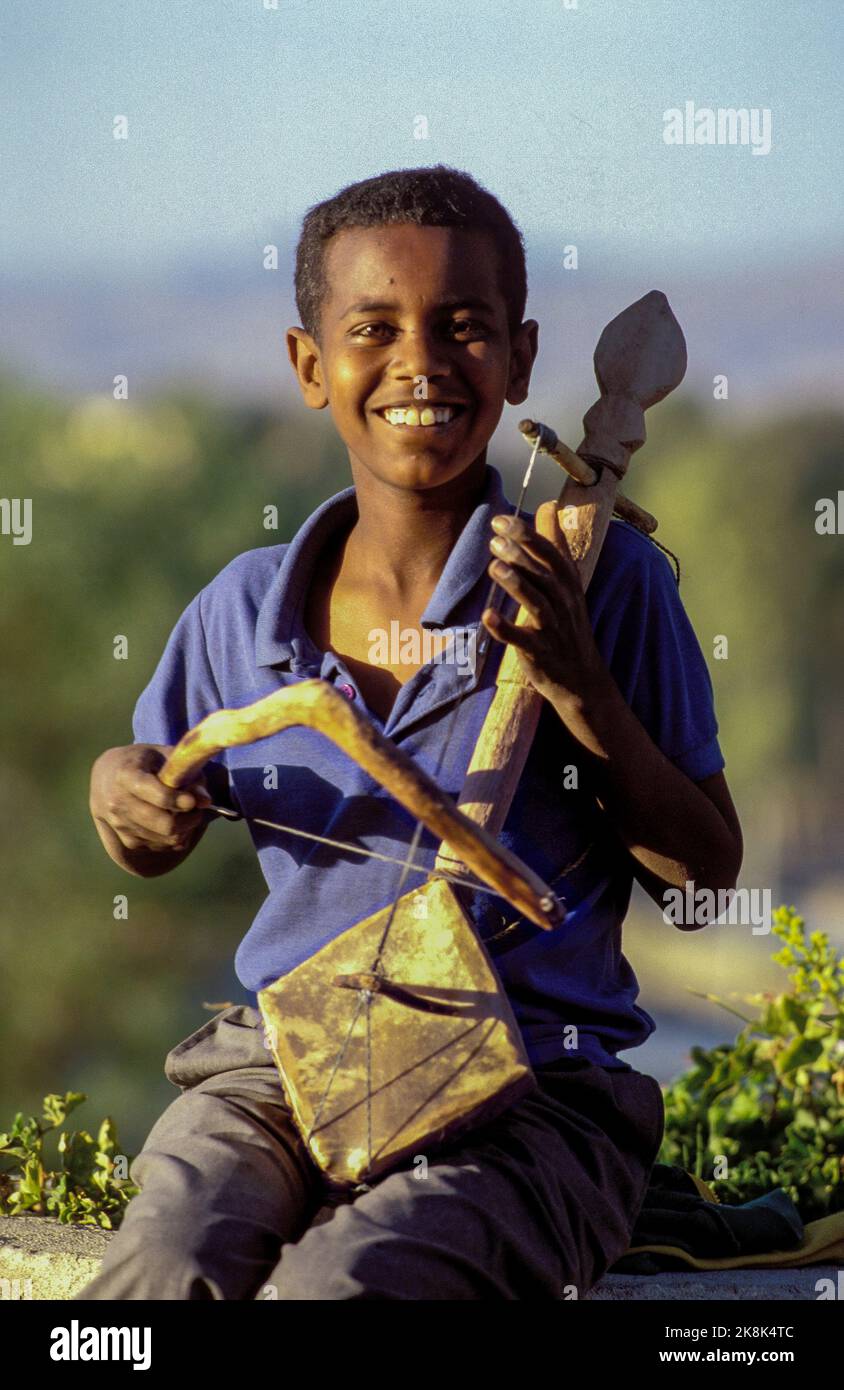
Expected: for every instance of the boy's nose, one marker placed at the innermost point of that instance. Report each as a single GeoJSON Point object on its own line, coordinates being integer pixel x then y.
{"type": "Point", "coordinates": [421, 353]}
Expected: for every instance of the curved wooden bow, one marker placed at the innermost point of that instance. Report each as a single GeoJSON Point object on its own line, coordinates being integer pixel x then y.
{"type": "Point", "coordinates": [317, 705]}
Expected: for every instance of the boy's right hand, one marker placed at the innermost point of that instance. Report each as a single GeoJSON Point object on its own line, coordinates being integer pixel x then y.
{"type": "Point", "coordinates": [133, 811]}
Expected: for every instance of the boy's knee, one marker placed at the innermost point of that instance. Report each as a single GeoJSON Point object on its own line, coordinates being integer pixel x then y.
{"type": "Point", "coordinates": [149, 1260]}
{"type": "Point", "coordinates": [319, 1268]}
{"type": "Point", "coordinates": [328, 1268]}
{"type": "Point", "coordinates": [300, 1277]}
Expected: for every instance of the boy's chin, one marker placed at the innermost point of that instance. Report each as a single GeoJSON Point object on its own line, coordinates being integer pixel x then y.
{"type": "Point", "coordinates": [422, 470]}
{"type": "Point", "coordinates": [415, 461]}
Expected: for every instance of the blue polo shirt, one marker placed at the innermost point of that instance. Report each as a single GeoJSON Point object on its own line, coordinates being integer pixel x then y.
{"type": "Point", "coordinates": [243, 636]}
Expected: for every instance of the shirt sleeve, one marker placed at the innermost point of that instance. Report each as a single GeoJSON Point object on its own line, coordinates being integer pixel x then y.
{"type": "Point", "coordinates": [647, 640]}
{"type": "Point", "coordinates": [181, 692]}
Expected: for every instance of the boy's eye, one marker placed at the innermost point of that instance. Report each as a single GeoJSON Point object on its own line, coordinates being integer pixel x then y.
{"type": "Point", "coordinates": [371, 330]}
{"type": "Point", "coordinates": [465, 326]}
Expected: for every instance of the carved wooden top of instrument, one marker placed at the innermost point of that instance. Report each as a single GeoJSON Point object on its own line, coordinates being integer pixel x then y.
{"type": "Point", "coordinates": [640, 358]}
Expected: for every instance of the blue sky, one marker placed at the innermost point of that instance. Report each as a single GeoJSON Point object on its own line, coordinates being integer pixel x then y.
{"type": "Point", "coordinates": [241, 117]}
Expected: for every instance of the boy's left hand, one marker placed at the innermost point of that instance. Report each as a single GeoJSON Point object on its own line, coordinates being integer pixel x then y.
{"type": "Point", "coordinates": [556, 646]}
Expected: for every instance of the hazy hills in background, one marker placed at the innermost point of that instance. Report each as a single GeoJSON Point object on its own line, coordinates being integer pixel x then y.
{"type": "Point", "coordinates": [775, 331]}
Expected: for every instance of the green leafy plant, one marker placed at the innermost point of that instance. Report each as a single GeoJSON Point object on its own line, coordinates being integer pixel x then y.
{"type": "Point", "coordinates": [83, 1189]}
{"type": "Point", "coordinates": [772, 1102]}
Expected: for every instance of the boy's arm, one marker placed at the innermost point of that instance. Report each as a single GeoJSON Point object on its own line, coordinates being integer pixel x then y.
{"type": "Point", "coordinates": [715, 787]}
{"type": "Point", "coordinates": [677, 829]}
{"type": "Point", "coordinates": [147, 828]}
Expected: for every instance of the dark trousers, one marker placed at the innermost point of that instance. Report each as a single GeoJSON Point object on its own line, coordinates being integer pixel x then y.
{"type": "Point", "coordinates": [536, 1204]}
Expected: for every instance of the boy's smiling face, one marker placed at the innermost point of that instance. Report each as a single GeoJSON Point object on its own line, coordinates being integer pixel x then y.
{"type": "Point", "coordinates": [406, 302]}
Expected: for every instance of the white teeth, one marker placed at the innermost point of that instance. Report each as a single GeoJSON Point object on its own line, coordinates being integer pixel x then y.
{"type": "Point", "coordinates": [429, 415]}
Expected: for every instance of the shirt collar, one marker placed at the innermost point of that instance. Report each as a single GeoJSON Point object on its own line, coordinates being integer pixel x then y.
{"type": "Point", "coordinates": [280, 634]}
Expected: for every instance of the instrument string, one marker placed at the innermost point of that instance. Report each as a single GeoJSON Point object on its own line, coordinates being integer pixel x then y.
{"type": "Point", "coordinates": [477, 885]}
{"type": "Point", "coordinates": [495, 596]}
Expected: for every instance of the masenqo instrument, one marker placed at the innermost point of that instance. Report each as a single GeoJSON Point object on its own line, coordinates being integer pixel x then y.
{"type": "Point", "coordinates": [397, 1035]}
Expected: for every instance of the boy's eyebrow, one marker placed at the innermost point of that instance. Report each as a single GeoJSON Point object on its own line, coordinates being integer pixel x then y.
{"type": "Point", "coordinates": [374, 306]}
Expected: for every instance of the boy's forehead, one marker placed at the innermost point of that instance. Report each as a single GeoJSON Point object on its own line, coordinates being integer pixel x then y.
{"type": "Point", "coordinates": [404, 260]}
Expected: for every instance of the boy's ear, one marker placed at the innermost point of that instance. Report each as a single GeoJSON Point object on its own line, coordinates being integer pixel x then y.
{"type": "Point", "coordinates": [304, 354]}
{"type": "Point", "coordinates": [523, 350]}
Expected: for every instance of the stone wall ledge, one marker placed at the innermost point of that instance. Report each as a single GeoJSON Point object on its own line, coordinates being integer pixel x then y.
{"type": "Point", "coordinates": [44, 1260]}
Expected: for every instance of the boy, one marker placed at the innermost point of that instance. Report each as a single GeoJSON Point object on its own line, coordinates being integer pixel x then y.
{"type": "Point", "coordinates": [417, 279]}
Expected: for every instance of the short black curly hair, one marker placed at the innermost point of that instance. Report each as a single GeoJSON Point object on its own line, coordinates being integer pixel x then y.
{"type": "Point", "coordinates": [432, 196]}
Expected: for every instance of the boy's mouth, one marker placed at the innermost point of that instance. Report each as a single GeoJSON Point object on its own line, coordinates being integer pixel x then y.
{"type": "Point", "coordinates": [426, 417]}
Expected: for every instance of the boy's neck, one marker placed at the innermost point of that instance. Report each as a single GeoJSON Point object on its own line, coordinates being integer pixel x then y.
{"type": "Point", "coordinates": [402, 539]}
